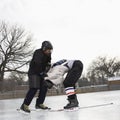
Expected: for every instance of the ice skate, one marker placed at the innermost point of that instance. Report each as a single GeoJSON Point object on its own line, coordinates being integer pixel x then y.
{"type": "Point", "coordinates": [42, 106]}
{"type": "Point", "coordinates": [25, 108]}
{"type": "Point", "coordinates": [73, 103]}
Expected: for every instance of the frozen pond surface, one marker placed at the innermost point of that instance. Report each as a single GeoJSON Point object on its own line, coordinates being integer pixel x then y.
{"type": "Point", "coordinates": [109, 112]}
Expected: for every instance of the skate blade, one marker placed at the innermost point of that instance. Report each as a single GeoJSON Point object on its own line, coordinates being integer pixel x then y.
{"type": "Point", "coordinates": [37, 110]}
{"type": "Point", "coordinates": [72, 109]}
{"type": "Point", "coordinates": [23, 112]}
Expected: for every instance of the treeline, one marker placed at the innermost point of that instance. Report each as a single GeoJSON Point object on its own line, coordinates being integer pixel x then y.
{"type": "Point", "coordinates": [100, 70]}
{"type": "Point", "coordinates": [15, 54]}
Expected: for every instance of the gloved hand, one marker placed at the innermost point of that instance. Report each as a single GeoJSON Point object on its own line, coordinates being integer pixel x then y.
{"type": "Point", "coordinates": [43, 74]}
{"type": "Point", "coordinates": [48, 84]}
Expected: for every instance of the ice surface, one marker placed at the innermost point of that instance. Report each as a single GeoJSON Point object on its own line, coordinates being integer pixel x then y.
{"type": "Point", "coordinates": [109, 112]}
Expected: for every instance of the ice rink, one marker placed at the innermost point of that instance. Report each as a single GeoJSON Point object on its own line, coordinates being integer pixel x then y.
{"type": "Point", "coordinates": [108, 112]}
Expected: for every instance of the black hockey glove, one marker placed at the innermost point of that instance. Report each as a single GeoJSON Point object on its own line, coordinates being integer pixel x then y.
{"type": "Point", "coordinates": [43, 74]}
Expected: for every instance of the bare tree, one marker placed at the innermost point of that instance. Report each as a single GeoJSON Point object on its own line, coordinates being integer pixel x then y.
{"type": "Point", "coordinates": [18, 78]}
{"type": "Point", "coordinates": [103, 68]}
{"type": "Point", "coordinates": [15, 49]}
{"type": "Point", "coordinates": [83, 81]}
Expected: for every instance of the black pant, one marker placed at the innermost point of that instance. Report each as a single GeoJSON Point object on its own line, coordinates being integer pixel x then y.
{"type": "Point", "coordinates": [73, 74]}
{"type": "Point", "coordinates": [31, 93]}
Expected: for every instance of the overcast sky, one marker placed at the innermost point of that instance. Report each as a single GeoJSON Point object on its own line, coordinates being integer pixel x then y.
{"type": "Point", "coordinates": [78, 29]}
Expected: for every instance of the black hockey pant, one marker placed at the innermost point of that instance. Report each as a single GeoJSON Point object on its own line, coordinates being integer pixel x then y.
{"type": "Point", "coordinates": [73, 74]}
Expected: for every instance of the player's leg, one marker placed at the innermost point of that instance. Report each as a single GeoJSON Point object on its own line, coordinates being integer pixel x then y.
{"type": "Point", "coordinates": [29, 97]}
{"type": "Point", "coordinates": [69, 83]}
{"type": "Point", "coordinates": [34, 85]}
{"type": "Point", "coordinates": [41, 97]}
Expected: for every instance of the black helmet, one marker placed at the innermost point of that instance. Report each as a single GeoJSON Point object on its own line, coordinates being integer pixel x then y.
{"type": "Point", "coordinates": [46, 45]}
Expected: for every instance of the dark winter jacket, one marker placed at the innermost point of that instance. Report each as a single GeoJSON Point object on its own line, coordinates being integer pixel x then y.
{"type": "Point", "coordinates": [39, 62]}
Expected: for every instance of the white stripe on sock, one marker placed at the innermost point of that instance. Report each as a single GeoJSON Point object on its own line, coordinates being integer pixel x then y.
{"type": "Point", "coordinates": [70, 91]}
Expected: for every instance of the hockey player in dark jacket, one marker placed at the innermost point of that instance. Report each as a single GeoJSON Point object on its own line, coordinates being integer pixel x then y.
{"type": "Point", "coordinates": [37, 71]}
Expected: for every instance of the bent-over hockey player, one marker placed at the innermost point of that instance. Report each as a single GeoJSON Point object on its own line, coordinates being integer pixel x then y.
{"type": "Point", "coordinates": [73, 68]}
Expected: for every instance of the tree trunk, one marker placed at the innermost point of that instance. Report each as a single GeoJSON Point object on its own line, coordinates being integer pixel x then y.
{"type": "Point", "coordinates": [1, 81]}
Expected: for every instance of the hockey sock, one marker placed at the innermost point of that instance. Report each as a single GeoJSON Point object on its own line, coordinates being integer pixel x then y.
{"type": "Point", "coordinates": [70, 91]}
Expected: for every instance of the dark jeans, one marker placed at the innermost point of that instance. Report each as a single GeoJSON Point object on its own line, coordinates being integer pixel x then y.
{"type": "Point", "coordinates": [35, 81]}
{"type": "Point", "coordinates": [32, 91]}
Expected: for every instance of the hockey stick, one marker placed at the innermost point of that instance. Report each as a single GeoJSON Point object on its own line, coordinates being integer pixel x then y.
{"type": "Point", "coordinates": [77, 108]}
